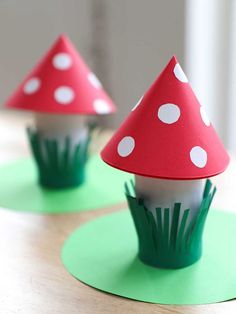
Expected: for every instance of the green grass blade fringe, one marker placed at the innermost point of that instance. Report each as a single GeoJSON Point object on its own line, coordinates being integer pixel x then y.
{"type": "Point", "coordinates": [153, 227]}
{"type": "Point", "coordinates": [163, 241]}
{"type": "Point", "coordinates": [166, 227]}
{"type": "Point", "coordinates": [35, 146]}
{"type": "Point", "coordinates": [76, 156]}
{"type": "Point", "coordinates": [55, 155]}
{"type": "Point", "coordinates": [133, 187]}
{"type": "Point", "coordinates": [143, 227]}
{"type": "Point", "coordinates": [159, 227]}
{"type": "Point", "coordinates": [127, 191]}
{"type": "Point", "coordinates": [207, 188]}
{"type": "Point", "coordinates": [174, 225]}
{"type": "Point", "coordinates": [58, 167]}
{"type": "Point", "coordinates": [65, 157]}
{"type": "Point", "coordinates": [181, 231]}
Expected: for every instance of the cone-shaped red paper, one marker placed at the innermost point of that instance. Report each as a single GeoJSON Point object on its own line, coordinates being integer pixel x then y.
{"type": "Point", "coordinates": [62, 83]}
{"type": "Point", "coordinates": [167, 134]}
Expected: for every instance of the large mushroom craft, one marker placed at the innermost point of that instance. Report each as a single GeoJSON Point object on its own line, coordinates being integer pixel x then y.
{"type": "Point", "coordinates": [61, 91]}
{"type": "Point", "coordinates": [170, 146]}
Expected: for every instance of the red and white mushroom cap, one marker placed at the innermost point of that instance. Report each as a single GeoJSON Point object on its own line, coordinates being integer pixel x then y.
{"type": "Point", "coordinates": [167, 134]}
{"type": "Point", "coordinates": [61, 83]}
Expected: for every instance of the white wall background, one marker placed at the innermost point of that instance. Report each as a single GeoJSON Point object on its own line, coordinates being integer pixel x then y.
{"type": "Point", "coordinates": [208, 58]}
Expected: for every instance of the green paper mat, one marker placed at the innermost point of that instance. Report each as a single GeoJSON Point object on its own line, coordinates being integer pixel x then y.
{"type": "Point", "coordinates": [20, 191]}
{"type": "Point", "coordinates": [103, 254]}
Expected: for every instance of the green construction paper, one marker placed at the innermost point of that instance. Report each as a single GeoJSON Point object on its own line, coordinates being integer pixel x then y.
{"type": "Point", "coordinates": [169, 243]}
{"type": "Point", "coordinates": [20, 191]}
{"type": "Point", "coordinates": [102, 254]}
{"type": "Point", "coordinates": [58, 167]}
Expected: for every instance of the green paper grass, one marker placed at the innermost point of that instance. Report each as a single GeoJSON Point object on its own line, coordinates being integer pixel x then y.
{"type": "Point", "coordinates": [169, 245]}
{"type": "Point", "coordinates": [59, 168]}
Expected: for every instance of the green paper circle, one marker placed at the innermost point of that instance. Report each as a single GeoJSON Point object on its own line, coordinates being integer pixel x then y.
{"type": "Point", "coordinates": [102, 254]}
{"type": "Point", "coordinates": [20, 191]}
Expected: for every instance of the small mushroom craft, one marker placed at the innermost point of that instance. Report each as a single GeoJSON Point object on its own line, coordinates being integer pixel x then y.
{"type": "Point", "coordinates": [61, 91]}
{"type": "Point", "coordinates": [169, 144]}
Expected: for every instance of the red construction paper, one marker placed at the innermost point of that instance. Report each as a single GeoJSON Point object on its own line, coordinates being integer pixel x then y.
{"type": "Point", "coordinates": [62, 83]}
{"type": "Point", "coordinates": [167, 134]}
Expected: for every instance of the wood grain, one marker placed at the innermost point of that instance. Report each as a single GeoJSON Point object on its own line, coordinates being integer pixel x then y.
{"type": "Point", "coordinates": [33, 279]}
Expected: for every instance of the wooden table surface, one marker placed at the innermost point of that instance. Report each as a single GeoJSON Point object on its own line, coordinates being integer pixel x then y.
{"type": "Point", "coordinates": [32, 277]}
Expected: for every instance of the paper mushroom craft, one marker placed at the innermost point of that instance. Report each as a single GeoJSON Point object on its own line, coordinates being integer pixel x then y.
{"type": "Point", "coordinates": [61, 91]}
{"type": "Point", "coordinates": [169, 144]}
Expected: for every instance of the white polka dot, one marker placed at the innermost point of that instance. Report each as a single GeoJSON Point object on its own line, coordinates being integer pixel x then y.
{"type": "Point", "coordinates": [62, 61]}
{"type": "Point", "coordinates": [169, 113]}
{"type": "Point", "coordinates": [64, 95]}
{"type": "Point", "coordinates": [101, 106]}
{"type": "Point", "coordinates": [126, 146]}
{"type": "Point", "coordinates": [179, 74]}
{"type": "Point", "coordinates": [32, 85]}
{"type": "Point", "coordinates": [138, 103]}
{"type": "Point", "coordinates": [94, 80]}
{"type": "Point", "coordinates": [198, 156]}
{"type": "Point", "coordinates": [204, 116]}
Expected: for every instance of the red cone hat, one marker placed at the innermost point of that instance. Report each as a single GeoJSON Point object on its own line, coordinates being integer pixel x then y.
{"type": "Point", "coordinates": [61, 83]}
{"type": "Point", "coordinates": [167, 134]}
